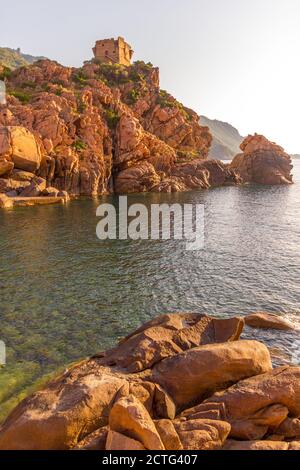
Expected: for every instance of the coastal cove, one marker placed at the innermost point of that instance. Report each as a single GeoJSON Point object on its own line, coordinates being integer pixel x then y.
{"type": "Point", "coordinates": [66, 295]}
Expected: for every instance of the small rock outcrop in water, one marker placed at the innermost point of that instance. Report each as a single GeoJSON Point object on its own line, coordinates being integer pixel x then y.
{"type": "Point", "coordinates": [268, 320]}
{"type": "Point", "coordinates": [182, 381]}
{"type": "Point", "coordinates": [226, 139]}
{"type": "Point", "coordinates": [262, 162]}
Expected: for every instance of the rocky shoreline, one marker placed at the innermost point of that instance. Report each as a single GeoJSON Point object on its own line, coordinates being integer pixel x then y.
{"type": "Point", "coordinates": [181, 381]}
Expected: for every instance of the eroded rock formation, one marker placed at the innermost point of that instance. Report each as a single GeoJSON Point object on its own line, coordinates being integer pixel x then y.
{"type": "Point", "coordinates": [267, 320]}
{"type": "Point", "coordinates": [97, 124]}
{"type": "Point", "coordinates": [182, 381]}
{"type": "Point", "coordinates": [262, 162]}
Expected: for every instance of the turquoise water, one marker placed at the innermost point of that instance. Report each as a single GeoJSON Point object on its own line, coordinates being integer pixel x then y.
{"type": "Point", "coordinates": [65, 295]}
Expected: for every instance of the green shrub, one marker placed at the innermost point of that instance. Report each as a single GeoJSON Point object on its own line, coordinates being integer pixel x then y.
{"type": "Point", "coordinates": [45, 87]}
{"type": "Point", "coordinates": [112, 118]}
{"type": "Point", "coordinates": [142, 65]}
{"type": "Point", "coordinates": [80, 77]}
{"type": "Point", "coordinates": [136, 76]}
{"type": "Point", "coordinates": [113, 74]}
{"type": "Point", "coordinates": [28, 84]}
{"type": "Point", "coordinates": [58, 82]}
{"type": "Point", "coordinates": [187, 156]}
{"type": "Point", "coordinates": [6, 73]}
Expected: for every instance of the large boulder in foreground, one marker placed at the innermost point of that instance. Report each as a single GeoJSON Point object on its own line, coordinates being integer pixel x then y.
{"type": "Point", "coordinates": [168, 434]}
{"type": "Point", "coordinates": [262, 162]}
{"type": "Point", "coordinates": [66, 411]}
{"type": "Point", "coordinates": [195, 374]}
{"type": "Point", "coordinates": [19, 145]}
{"type": "Point", "coordinates": [259, 404]}
{"type": "Point", "coordinates": [78, 403]}
{"type": "Point", "coordinates": [128, 416]}
{"type": "Point", "coordinates": [136, 396]}
{"type": "Point", "coordinates": [201, 434]}
{"type": "Point", "coordinates": [168, 335]}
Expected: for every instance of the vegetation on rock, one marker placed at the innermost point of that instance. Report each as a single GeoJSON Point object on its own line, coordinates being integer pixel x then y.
{"type": "Point", "coordinates": [14, 58]}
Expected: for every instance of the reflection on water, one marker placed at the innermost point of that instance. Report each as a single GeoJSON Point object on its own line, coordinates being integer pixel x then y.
{"type": "Point", "coordinates": [64, 294]}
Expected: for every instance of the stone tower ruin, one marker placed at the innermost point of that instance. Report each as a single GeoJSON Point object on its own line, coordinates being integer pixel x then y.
{"type": "Point", "coordinates": [115, 51]}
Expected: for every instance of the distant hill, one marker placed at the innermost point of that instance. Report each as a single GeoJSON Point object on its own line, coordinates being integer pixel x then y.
{"type": "Point", "coordinates": [14, 58]}
{"type": "Point", "coordinates": [226, 139]}
{"type": "Point", "coordinates": [295, 156]}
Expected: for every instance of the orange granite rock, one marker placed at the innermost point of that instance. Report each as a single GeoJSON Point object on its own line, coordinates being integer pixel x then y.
{"type": "Point", "coordinates": [118, 441]}
{"type": "Point", "coordinates": [262, 162]}
{"type": "Point", "coordinates": [138, 395]}
{"type": "Point", "coordinates": [268, 321]}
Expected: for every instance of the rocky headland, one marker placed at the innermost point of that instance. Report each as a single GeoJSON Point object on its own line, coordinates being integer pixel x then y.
{"type": "Point", "coordinates": [262, 162]}
{"type": "Point", "coordinates": [181, 381]}
{"type": "Point", "coordinates": [107, 128]}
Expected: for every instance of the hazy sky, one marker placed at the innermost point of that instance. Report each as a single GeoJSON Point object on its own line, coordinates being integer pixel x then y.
{"type": "Point", "coordinates": [234, 60]}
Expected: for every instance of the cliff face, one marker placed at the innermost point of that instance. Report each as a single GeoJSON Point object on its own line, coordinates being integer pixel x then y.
{"type": "Point", "coordinates": [262, 162]}
{"type": "Point", "coordinates": [14, 58]}
{"type": "Point", "coordinates": [104, 128]}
